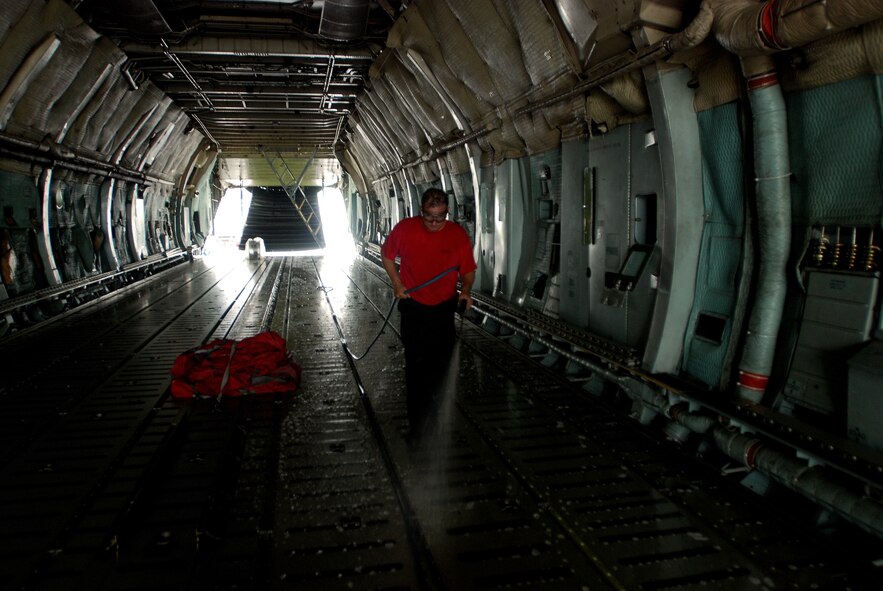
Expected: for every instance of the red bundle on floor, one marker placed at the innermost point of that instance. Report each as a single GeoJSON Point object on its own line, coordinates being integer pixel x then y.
{"type": "Point", "coordinates": [256, 365]}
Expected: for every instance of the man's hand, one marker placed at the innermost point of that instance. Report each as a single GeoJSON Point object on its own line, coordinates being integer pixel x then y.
{"type": "Point", "coordinates": [398, 287]}
{"type": "Point", "coordinates": [464, 302]}
{"type": "Point", "coordinates": [465, 292]}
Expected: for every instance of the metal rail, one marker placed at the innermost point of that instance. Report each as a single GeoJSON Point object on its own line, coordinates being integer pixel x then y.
{"type": "Point", "coordinates": [70, 290]}
{"type": "Point", "coordinates": [527, 481]}
{"type": "Point", "coordinates": [629, 506]}
{"type": "Point", "coordinates": [103, 424]}
{"type": "Point", "coordinates": [597, 358]}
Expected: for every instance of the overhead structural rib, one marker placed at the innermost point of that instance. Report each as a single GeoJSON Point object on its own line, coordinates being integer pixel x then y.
{"type": "Point", "coordinates": [250, 47]}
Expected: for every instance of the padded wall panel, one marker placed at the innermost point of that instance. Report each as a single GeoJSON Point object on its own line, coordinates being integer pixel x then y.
{"type": "Point", "coordinates": [836, 146]}
{"type": "Point", "coordinates": [715, 299]}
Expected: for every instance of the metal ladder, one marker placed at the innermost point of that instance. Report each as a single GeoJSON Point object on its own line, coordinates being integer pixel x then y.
{"type": "Point", "coordinates": [293, 190]}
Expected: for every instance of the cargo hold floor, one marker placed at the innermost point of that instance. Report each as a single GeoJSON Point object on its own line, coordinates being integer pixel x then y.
{"type": "Point", "coordinates": [522, 481]}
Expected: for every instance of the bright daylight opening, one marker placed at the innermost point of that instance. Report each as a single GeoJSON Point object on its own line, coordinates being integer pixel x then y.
{"type": "Point", "coordinates": [338, 241]}
{"type": "Point", "coordinates": [233, 211]}
{"type": "Point", "coordinates": [229, 221]}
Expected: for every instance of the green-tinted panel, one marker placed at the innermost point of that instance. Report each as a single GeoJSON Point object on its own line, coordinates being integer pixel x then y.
{"type": "Point", "coordinates": [836, 146]}
{"type": "Point", "coordinates": [719, 261]}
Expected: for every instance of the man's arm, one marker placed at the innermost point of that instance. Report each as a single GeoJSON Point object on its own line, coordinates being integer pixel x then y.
{"type": "Point", "coordinates": [466, 291]}
{"type": "Point", "coordinates": [397, 286]}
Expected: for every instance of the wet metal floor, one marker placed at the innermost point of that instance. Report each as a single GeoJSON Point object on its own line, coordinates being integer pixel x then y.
{"type": "Point", "coordinates": [523, 481]}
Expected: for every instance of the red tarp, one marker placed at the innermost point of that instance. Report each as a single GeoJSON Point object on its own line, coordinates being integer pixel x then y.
{"type": "Point", "coordinates": [256, 365]}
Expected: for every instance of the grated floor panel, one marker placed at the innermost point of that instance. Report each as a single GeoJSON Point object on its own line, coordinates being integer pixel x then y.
{"type": "Point", "coordinates": [524, 482]}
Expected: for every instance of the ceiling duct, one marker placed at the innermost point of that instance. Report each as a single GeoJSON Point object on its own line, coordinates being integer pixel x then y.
{"type": "Point", "coordinates": [344, 20]}
{"type": "Point", "coordinates": [140, 15]}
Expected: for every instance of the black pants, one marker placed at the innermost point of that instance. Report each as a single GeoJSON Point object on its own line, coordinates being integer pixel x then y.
{"type": "Point", "coordinates": [428, 335]}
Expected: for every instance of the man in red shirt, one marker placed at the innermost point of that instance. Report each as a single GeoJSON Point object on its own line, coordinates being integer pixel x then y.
{"type": "Point", "coordinates": [427, 246]}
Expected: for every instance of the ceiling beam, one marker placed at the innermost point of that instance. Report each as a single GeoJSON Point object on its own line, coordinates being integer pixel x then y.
{"type": "Point", "coordinates": [257, 87]}
{"type": "Point", "coordinates": [193, 106]}
{"type": "Point", "coordinates": [238, 47]}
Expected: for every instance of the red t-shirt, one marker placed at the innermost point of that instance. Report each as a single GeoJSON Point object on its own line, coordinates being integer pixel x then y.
{"type": "Point", "coordinates": [425, 254]}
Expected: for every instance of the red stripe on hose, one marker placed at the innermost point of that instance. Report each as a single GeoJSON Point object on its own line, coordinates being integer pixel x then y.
{"type": "Point", "coordinates": [768, 25]}
{"type": "Point", "coordinates": [753, 381]}
{"type": "Point", "coordinates": [762, 81]}
{"type": "Point", "coordinates": [675, 410]}
{"type": "Point", "coordinates": [751, 453]}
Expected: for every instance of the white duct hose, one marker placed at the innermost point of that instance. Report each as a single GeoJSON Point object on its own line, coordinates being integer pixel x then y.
{"type": "Point", "coordinates": [628, 90]}
{"type": "Point", "coordinates": [696, 32]}
{"type": "Point", "coordinates": [751, 29]}
{"type": "Point", "coordinates": [804, 21]}
{"type": "Point", "coordinates": [773, 198]}
{"type": "Point", "coordinates": [747, 27]}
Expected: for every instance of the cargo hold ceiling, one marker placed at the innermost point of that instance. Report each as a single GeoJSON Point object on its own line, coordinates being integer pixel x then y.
{"type": "Point", "coordinates": [277, 76]}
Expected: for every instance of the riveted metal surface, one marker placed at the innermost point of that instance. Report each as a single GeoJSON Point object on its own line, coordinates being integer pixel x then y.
{"type": "Point", "coordinates": [51, 371]}
{"type": "Point", "coordinates": [650, 518]}
{"type": "Point", "coordinates": [522, 480]}
{"type": "Point", "coordinates": [80, 475]}
{"type": "Point", "coordinates": [197, 522]}
{"type": "Point", "coordinates": [657, 521]}
{"type": "Point", "coordinates": [338, 525]}
{"type": "Point", "coordinates": [481, 527]}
